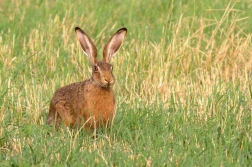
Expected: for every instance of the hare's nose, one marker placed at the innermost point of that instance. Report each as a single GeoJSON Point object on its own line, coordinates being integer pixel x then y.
{"type": "Point", "coordinates": [109, 82]}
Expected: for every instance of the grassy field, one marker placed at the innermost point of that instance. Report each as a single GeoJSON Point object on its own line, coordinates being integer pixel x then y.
{"type": "Point", "coordinates": [183, 88]}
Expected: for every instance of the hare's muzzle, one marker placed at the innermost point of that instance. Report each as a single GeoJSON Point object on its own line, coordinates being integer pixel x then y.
{"type": "Point", "coordinates": [107, 82]}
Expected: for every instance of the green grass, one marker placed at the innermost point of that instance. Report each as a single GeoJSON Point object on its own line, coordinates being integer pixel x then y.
{"type": "Point", "coordinates": [183, 90]}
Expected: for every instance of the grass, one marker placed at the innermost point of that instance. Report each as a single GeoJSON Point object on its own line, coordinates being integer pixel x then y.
{"type": "Point", "coordinates": [183, 86]}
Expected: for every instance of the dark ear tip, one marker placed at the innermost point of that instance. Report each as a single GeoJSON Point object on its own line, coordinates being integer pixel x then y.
{"type": "Point", "coordinates": [122, 29]}
{"type": "Point", "coordinates": [78, 29]}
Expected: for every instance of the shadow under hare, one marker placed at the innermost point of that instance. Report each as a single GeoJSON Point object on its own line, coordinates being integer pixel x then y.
{"type": "Point", "coordinates": [90, 103]}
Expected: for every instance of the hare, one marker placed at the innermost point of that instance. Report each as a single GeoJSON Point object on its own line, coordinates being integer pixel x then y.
{"type": "Point", "coordinates": [90, 103]}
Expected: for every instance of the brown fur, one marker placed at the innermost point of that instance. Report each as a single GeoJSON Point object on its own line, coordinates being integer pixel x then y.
{"type": "Point", "coordinates": [90, 103]}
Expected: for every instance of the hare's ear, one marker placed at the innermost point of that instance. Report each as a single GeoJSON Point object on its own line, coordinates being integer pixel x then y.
{"type": "Point", "coordinates": [87, 45]}
{"type": "Point", "coordinates": [113, 44]}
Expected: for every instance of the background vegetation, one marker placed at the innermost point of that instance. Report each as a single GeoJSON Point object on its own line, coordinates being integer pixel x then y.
{"type": "Point", "coordinates": [184, 82]}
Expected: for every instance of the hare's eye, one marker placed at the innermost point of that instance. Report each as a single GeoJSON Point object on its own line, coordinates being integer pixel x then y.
{"type": "Point", "coordinates": [95, 68]}
{"type": "Point", "coordinates": [111, 67]}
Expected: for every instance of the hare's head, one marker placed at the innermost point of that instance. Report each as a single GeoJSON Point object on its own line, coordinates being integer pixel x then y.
{"type": "Point", "coordinates": [101, 70]}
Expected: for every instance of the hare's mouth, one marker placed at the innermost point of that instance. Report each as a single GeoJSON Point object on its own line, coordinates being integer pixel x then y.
{"type": "Point", "coordinates": [107, 85]}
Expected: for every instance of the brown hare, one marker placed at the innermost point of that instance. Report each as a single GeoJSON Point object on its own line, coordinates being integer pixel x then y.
{"type": "Point", "coordinates": [90, 103]}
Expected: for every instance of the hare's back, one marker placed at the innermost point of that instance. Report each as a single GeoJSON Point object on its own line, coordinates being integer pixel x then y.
{"type": "Point", "coordinates": [68, 92]}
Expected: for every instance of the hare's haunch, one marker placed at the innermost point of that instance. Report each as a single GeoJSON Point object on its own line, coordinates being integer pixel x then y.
{"type": "Point", "coordinates": [90, 103]}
